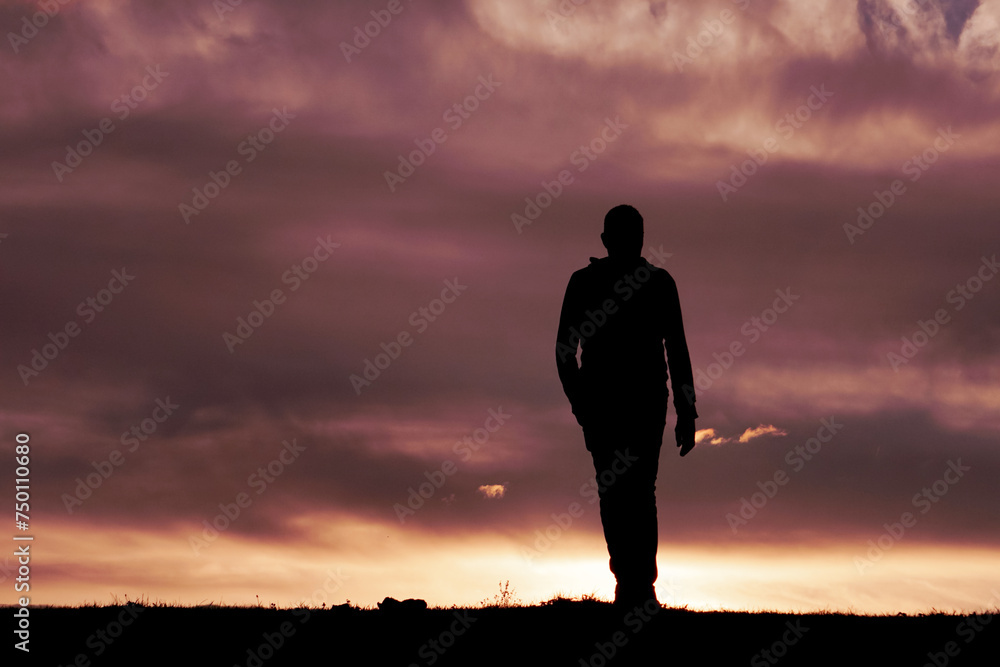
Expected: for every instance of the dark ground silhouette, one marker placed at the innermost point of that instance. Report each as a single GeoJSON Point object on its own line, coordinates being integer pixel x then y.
{"type": "Point", "coordinates": [562, 633]}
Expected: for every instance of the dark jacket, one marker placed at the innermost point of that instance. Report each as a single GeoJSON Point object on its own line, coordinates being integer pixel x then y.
{"type": "Point", "coordinates": [623, 314]}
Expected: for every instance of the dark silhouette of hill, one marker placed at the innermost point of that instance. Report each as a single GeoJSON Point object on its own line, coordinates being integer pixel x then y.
{"type": "Point", "coordinates": [558, 633]}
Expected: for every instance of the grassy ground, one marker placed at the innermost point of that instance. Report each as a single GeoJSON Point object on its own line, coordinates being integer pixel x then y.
{"type": "Point", "coordinates": [562, 632]}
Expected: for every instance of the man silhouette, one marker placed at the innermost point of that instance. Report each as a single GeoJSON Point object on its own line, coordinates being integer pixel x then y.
{"type": "Point", "coordinates": [622, 312]}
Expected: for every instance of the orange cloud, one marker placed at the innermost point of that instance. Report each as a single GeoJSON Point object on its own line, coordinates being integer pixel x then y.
{"type": "Point", "coordinates": [752, 433]}
{"type": "Point", "coordinates": [493, 491]}
{"type": "Point", "coordinates": [713, 438]}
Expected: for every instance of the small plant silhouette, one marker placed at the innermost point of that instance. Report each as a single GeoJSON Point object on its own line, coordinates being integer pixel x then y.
{"type": "Point", "coordinates": [505, 599]}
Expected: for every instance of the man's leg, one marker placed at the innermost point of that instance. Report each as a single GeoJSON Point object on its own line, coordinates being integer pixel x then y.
{"type": "Point", "coordinates": [626, 457]}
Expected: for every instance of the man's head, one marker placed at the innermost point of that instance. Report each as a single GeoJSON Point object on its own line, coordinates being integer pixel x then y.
{"type": "Point", "coordinates": [623, 232]}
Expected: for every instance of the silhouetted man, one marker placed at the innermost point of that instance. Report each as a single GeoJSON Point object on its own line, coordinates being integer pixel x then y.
{"type": "Point", "coordinates": [622, 312]}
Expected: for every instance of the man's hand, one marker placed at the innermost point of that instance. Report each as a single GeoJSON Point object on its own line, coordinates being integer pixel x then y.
{"type": "Point", "coordinates": [684, 431]}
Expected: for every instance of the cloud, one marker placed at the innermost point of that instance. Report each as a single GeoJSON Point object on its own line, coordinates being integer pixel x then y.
{"type": "Point", "coordinates": [752, 433]}
{"type": "Point", "coordinates": [712, 437]}
{"type": "Point", "coordinates": [493, 491]}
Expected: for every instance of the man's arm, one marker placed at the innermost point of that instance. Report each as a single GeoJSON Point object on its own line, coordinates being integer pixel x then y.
{"type": "Point", "coordinates": [567, 343]}
{"type": "Point", "coordinates": [678, 359]}
{"type": "Point", "coordinates": [681, 376]}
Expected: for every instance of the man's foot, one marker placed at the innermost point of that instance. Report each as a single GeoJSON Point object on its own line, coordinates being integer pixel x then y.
{"type": "Point", "coordinates": [629, 597]}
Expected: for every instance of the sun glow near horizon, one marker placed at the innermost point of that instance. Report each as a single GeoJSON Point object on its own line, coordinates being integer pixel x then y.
{"type": "Point", "coordinates": [382, 561]}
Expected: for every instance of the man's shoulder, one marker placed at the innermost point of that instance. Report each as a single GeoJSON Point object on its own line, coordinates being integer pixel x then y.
{"type": "Point", "coordinates": [592, 268]}
{"type": "Point", "coordinates": [600, 267]}
{"type": "Point", "coordinates": [659, 273]}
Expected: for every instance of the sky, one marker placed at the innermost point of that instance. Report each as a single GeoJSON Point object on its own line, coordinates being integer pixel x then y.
{"type": "Point", "coordinates": [281, 282]}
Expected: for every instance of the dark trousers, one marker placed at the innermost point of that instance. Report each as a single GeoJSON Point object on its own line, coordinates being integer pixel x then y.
{"type": "Point", "coordinates": [625, 445]}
